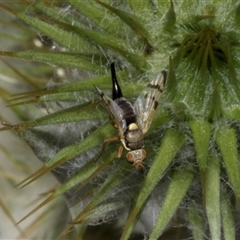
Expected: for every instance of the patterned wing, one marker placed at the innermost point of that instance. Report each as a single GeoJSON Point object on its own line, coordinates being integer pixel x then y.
{"type": "Point", "coordinates": [147, 102]}
{"type": "Point", "coordinates": [114, 111]}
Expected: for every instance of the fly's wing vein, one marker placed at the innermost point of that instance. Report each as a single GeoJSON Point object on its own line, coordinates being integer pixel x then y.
{"type": "Point", "coordinates": [147, 102]}
{"type": "Point", "coordinates": [114, 111]}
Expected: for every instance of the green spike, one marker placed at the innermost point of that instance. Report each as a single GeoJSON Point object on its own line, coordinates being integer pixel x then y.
{"type": "Point", "coordinates": [228, 216]}
{"type": "Point", "coordinates": [201, 135]}
{"type": "Point", "coordinates": [215, 103]}
{"type": "Point", "coordinates": [196, 222]}
{"type": "Point", "coordinates": [72, 60]}
{"type": "Point", "coordinates": [212, 201]}
{"type": "Point", "coordinates": [134, 22]}
{"type": "Point", "coordinates": [177, 189]}
{"type": "Point", "coordinates": [72, 114]}
{"type": "Point", "coordinates": [101, 18]}
{"type": "Point", "coordinates": [233, 112]}
{"type": "Point", "coordinates": [170, 18]}
{"type": "Point", "coordinates": [237, 15]}
{"type": "Point", "coordinates": [68, 39]}
{"type": "Point", "coordinates": [227, 143]}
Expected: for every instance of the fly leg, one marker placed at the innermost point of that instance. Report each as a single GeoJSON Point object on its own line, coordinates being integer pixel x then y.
{"type": "Point", "coordinates": [107, 140]}
{"type": "Point", "coordinates": [120, 151]}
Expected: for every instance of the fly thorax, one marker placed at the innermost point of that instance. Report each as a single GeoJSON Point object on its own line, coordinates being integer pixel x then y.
{"type": "Point", "coordinates": [134, 137]}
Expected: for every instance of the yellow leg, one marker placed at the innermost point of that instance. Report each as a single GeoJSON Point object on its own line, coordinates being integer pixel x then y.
{"type": "Point", "coordinates": [107, 140]}
{"type": "Point", "coordinates": [120, 151]}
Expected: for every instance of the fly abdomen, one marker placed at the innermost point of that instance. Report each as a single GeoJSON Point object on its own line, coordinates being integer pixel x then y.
{"type": "Point", "coordinates": [128, 112]}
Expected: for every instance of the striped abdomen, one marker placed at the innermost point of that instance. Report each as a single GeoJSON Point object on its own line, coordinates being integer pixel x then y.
{"type": "Point", "coordinates": [128, 112]}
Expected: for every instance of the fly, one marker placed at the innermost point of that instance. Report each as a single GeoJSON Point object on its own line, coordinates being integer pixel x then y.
{"type": "Point", "coordinates": [133, 121]}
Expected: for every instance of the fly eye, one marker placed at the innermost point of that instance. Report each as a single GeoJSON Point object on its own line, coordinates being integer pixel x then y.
{"type": "Point", "coordinates": [135, 155]}
{"type": "Point", "coordinates": [144, 154]}
{"type": "Point", "coordinates": [130, 157]}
